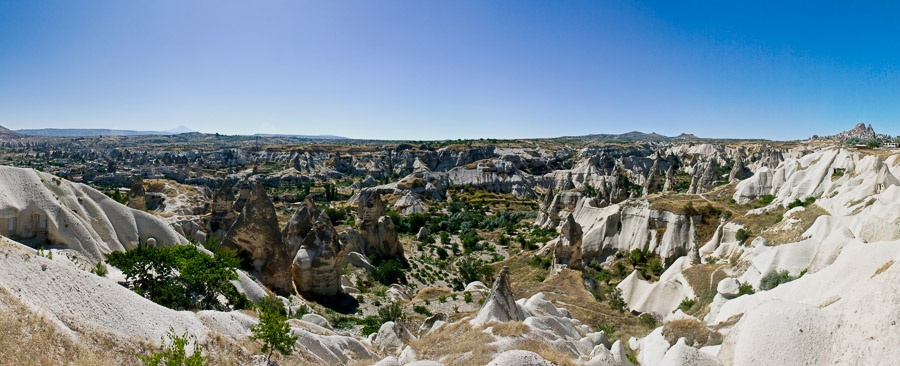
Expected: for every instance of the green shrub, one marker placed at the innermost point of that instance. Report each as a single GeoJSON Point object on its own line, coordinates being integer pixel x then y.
{"type": "Point", "coordinates": [647, 319]}
{"type": "Point", "coordinates": [388, 272]}
{"type": "Point", "coordinates": [472, 269]}
{"type": "Point", "coordinates": [390, 313]}
{"type": "Point", "coordinates": [421, 310]}
{"type": "Point", "coordinates": [540, 261]}
{"type": "Point", "coordinates": [742, 235]}
{"type": "Point", "coordinates": [745, 289]}
{"type": "Point", "coordinates": [615, 299]}
{"type": "Point", "coordinates": [798, 203]}
{"type": "Point", "coordinates": [371, 324]}
{"type": "Point", "coordinates": [99, 269]}
{"type": "Point", "coordinates": [766, 199]}
{"type": "Point", "coordinates": [773, 278]}
{"type": "Point", "coordinates": [467, 297]}
{"type": "Point", "coordinates": [687, 304]}
{"type": "Point", "coordinates": [173, 352]}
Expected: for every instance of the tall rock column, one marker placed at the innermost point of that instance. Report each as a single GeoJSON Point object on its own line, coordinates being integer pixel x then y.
{"type": "Point", "coordinates": [255, 234]}
{"type": "Point", "coordinates": [316, 269]}
{"type": "Point", "coordinates": [567, 249]}
{"type": "Point", "coordinates": [377, 230]}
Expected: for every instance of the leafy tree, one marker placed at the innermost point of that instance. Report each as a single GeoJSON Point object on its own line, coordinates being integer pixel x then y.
{"type": "Point", "coordinates": [180, 276]}
{"type": "Point", "coordinates": [173, 352]}
{"type": "Point", "coordinates": [388, 272]}
{"type": "Point", "coordinates": [472, 269]}
{"type": "Point", "coordinates": [273, 331]}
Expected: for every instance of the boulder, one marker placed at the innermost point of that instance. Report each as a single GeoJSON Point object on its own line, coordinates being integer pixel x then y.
{"type": "Point", "coordinates": [256, 233]}
{"type": "Point", "coordinates": [359, 261]}
{"type": "Point", "coordinates": [316, 269]}
{"type": "Point", "coordinates": [391, 337]}
{"type": "Point", "coordinates": [423, 234]}
{"type": "Point", "coordinates": [729, 287]}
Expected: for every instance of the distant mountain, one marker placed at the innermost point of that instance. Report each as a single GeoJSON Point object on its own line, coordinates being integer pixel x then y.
{"type": "Point", "coordinates": [6, 133]}
{"type": "Point", "coordinates": [180, 129]}
{"type": "Point", "coordinates": [636, 136]}
{"type": "Point", "coordinates": [82, 132]}
{"type": "Point", "coordinates": [315, 137]}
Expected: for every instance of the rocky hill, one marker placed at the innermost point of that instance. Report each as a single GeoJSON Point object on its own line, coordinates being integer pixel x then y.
{"type": "Point", "coordinates": [655, 252]}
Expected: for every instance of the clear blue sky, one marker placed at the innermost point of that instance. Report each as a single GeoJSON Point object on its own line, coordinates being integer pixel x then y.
{"type": "Point", "coordinates": [452, 69]}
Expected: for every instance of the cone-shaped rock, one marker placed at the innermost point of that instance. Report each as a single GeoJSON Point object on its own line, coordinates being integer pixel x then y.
{"type": "Point", "coordinates": [255, 233]}
{"type": "Point", "coordinates": [500, 305]}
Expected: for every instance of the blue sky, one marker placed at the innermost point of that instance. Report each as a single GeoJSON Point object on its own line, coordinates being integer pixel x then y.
{"type": "Point", "coordinates": [452, 69]}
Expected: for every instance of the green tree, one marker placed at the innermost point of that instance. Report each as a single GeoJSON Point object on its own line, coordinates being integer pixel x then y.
{"type": "Point", "coordinates": [273, 331]}
{"type": "Point", "coordinates": [388, 272]}
{"type": "Point", "coordinates": [180, 276]}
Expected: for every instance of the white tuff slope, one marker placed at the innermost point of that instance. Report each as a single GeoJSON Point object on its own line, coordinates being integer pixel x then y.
{"type": "Point", "coordinates": [77, 216]}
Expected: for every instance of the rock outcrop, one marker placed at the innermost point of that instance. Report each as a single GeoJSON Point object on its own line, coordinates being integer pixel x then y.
{"type": "Point", "coordinates": [377, 231]}
{"type": "Point", "coordinates": [738, 171]}
{"type": "Point", "coordinates": [567, 248]}
{"type": "Point", "coordinates": [299, 225]}
{"type": "Point", "coordinates": [316, 269]}
{"type": "Point", "coordinates": [858, 132]}
{"type": "Point", "coordinates": [137, 196]}
{"type": "Point", "coordinates": [500, 305]}
{"type": "Point", "coordinates": [633, 225]}
{"type": "Point", "coordinates": [255, 234]}
{"type": "Point", "coordinates": [42, 209]}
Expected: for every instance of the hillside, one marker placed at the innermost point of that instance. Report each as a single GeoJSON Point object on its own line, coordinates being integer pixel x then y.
{"type": "Point", "coordinates": [675, 252]}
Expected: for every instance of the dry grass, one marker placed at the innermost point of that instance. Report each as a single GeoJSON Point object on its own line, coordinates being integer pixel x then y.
{"type": "Point", "coordinates": [456, 344]}
{"type": "Point", "coordinates": [693, 331]}
{"type": "Point", "coordinates": [431, 293]}
{"type": "Point", "coordinates": [509, 329]}
{"type": "Point", "coordinates": [703, 278]}
{"type": "Point", "coordinates": [30, 339]}
{"type": "Point", "coordinates": [780, 235]}
{"type": "Point", "coordinates": [547, 351]}
{"type": "Point", "coordinates": [884, 267]}
{"type": "Point", "coordinates": [566, 290]}
{"type": "Point", "coordinates": [829, 302]}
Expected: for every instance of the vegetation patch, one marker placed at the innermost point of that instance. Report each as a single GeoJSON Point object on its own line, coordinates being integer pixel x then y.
{"type": "Point", "coordinates": [181, 277]}
{"type": "Point", "coordinates": [774, 278]}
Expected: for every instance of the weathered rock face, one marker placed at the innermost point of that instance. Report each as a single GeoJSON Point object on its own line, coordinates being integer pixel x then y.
{"type": "Point", "coordinates": [409, 203]}
{"type": "Point", "coordinates": [299, 225]}
{"type": "Point", "coordinates": [379, 236]}
{"type": "Point", "coordinates": [221, 211]}
{"type": "Point", "coordinates": [705, 178]}
{"type": "Point", "coordinates": [494, 175]}
{"type": "Point", "coordinates": [633, 225]}
{"type": "Point", "coordinates": [738, 171]}
{"type": "Point", "coordinates": [316, 269]}
{"type": "Point", "coordinates": [555, 206]}
{"type": "Point", "coordinates": [860, 131]}
{"type": "Point", "coordinates": [255, 233]}
{"type": "Point", "coordinates": [567, 250]}
{"type": "Point", "coordinates": [500, 305]}
{"type": "Point", "coordinates": [137, 197]}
